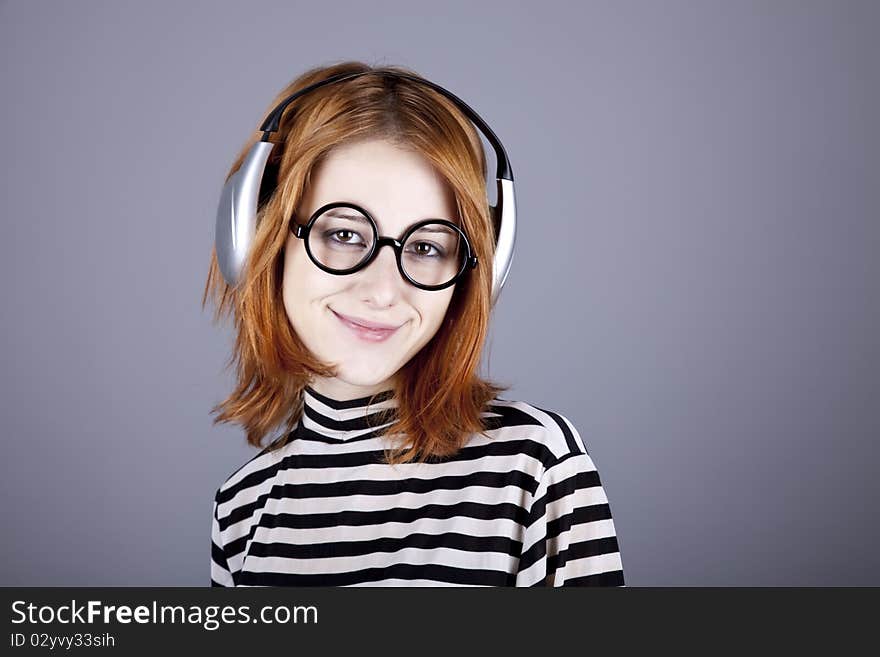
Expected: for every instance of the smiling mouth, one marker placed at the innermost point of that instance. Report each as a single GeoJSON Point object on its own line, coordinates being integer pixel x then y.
{"type": "Point", "coordinates": [364, 333]}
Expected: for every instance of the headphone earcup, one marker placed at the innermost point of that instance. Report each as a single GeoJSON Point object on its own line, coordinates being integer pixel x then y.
{"type": "Point", "coordinates": [236, 214]}
{"type": "Point", "coordinates": [269, 183]}
{"type": "Point", "coordinates": [223, 239]}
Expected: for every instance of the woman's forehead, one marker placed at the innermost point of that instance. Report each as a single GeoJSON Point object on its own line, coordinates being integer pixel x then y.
{"type": "Point", "coordinates": [396, 186]}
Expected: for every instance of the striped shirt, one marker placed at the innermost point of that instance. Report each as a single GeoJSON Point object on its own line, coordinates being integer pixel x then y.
{"type": "Point", "coordinates": [523, 507]}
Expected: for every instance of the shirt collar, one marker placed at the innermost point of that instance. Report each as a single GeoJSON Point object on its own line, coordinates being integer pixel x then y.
{"type": "Point", "coordinates": [339, 420]}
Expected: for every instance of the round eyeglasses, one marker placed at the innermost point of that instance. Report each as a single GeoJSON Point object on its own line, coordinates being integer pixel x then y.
{"type": "Point", "coordinates": [342, 238]}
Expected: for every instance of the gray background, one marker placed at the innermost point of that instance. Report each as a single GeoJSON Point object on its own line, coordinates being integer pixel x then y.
{"type": "Point", "coordinates": [695, 283]}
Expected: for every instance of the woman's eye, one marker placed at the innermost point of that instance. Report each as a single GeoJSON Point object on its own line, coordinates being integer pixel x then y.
{"type": "Point", "coordinates": [425, 249]}
{"type": "Point", "coordinates": [344, 236]}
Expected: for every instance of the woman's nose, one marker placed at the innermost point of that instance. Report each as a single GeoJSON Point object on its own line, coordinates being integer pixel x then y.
{"type": "Point", "coordinates": [383, 268]}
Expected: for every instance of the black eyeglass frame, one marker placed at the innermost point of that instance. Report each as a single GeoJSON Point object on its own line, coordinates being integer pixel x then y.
{"type": "Point", "coordinates": [302, 232]}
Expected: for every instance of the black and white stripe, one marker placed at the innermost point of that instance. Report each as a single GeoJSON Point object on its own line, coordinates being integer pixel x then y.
{"type": "Point", "coordinates": [524, 507]}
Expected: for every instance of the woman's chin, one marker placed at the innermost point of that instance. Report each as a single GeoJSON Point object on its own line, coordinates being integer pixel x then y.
{"type": "Point", "coordinates": [365, 375]}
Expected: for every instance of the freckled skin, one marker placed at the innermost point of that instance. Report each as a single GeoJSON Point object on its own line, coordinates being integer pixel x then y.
{"type": "Point", "coordinates": [398, 187]}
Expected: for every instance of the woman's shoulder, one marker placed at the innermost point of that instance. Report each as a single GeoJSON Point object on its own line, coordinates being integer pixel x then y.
{"type": "Point", "coordinates": [542, 423]}
{"type": "Point", "coordinates": [255, 470]}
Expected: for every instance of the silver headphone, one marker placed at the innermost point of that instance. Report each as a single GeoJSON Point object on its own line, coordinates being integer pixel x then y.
{"type": "Point", "coordinates": [237, 212]}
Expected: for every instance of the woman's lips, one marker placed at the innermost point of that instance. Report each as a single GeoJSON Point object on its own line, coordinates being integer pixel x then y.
{"type": "Point", "coordinates": [364, 333]}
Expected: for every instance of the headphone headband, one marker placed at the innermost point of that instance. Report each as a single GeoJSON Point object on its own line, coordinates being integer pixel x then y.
{"type": "Point", "coordinates": [236, 214]}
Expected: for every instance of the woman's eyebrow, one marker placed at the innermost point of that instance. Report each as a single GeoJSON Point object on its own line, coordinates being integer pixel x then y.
{"type": "Point", "coordinates": [347, 214]}
{"type": "Point", "coordinates": [435, 228]}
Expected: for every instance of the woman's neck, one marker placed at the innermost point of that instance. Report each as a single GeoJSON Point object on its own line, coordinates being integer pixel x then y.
{"type": "Point", "coordinates": [340, 390]}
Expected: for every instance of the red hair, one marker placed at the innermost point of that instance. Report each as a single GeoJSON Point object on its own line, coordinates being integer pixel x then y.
{"type": "Point", "coordinates": [439, 393]}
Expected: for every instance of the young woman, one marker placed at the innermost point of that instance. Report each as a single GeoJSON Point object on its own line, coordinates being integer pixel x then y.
{"type": "Point", "coordinates": [397, 464]}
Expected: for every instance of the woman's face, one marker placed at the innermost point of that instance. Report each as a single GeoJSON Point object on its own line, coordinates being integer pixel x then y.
{"type": "Point", "coordinates": [397, 187]}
